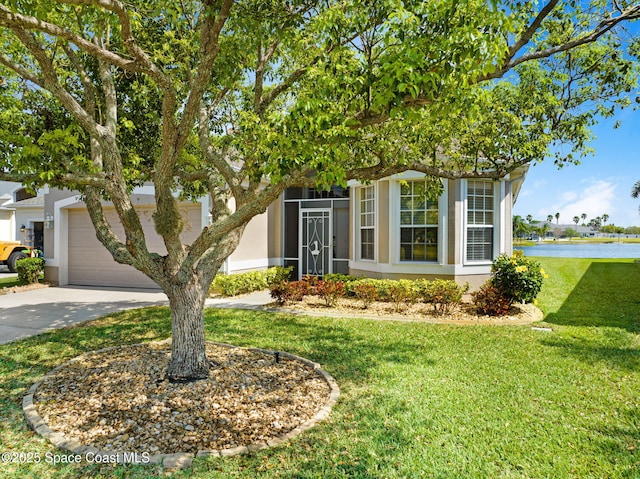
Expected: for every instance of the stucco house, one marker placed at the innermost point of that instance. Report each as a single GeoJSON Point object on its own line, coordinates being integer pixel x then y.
{"type": "Point", "coordinates": [383, 229]}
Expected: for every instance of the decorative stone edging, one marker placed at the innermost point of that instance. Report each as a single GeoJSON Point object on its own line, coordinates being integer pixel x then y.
{"type": "Point", "coordinates": [179, 460]}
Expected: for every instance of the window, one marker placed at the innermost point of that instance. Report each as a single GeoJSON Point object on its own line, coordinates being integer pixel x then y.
{"type": "Point", "coordinates": [23, 194]}
{"type": "Point", "coordinates": [367, 222]}
{"type": "Point", "coordinates": [418, 223]}
{"type": "Point", "coordinates": [480, 216]}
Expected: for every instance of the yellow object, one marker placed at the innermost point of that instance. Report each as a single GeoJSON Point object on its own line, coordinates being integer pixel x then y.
{"type": "Point", "coordinates": [12, 251]}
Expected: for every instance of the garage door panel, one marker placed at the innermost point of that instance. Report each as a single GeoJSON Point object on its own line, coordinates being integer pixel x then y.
{"type": "Point", "coordinates": [90, 263]}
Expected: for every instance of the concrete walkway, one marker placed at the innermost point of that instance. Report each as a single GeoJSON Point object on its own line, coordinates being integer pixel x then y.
{"type": "Point", "coordinates": [28, 313]}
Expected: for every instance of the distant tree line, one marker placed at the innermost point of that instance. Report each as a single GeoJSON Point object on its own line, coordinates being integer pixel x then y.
{"type": "Point", "coordinates": [529, 227]}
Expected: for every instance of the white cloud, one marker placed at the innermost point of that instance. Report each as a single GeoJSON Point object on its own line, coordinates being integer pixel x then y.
{"type": "Point", "coordinates": [595, 199]}
{"type": "Point", "coordinates": [572, 196]}
{"type": "Point", "coordinates": [569, 196]}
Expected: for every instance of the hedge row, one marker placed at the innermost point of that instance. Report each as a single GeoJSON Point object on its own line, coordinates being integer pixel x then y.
{"type": "Point", "coordinates": [514, 279]}
{"type": "Point", "coordinates": [443, 295]}
{"type": "Point", "coordinates": [241, 283]}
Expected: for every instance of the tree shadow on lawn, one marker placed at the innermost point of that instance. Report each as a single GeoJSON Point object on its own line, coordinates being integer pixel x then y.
{"type": "Point", "coordinates": [607, 295]}
{"type": "Point", "coordinates": [351, 354]}
{"type": "Point", "coordinates": [347, 353]}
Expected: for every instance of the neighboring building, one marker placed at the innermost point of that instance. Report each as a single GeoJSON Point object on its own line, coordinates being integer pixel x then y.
{"type": "Point", "coordinates": [21, 215]}
{"type": "Point", "coordinates": [384, 229]}
{"type": "Point", "coordinates": [559, 231]}
{"type": "Point", "coordinates": [7, 222]}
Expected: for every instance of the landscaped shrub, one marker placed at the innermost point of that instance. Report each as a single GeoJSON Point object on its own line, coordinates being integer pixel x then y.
{"type": "Point", "coordinates": [277, 274]}
{"type": "Point", "coordinates": [491, 301]}
{"type": "Point", "coordinates": [341, 277]}
{"type": "Point", "coordinates": [366, 292]}
{"type": "Point", "coordinates": [329, 291]}
{"type": "Point", "coordinates": [397, 291]}
{"type": "Point", "coordinates": [401, 292]}
{"type": "Point", "coordinates": [290, 291]}
{"type": "Point", "coordinates": [519, 278]}
{"type": "Point", "coordinates": [444, 295]}
{"type": "Point", "coordinates": [29, 269]}
{"type": "Point", "coordinates": [241, 283]}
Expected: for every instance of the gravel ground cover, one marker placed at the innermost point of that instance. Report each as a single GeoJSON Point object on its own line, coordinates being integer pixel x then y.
{"type": "Point", "coordinates": [119, 400]}
{"type": "Point", "coordinates": [464, 314]}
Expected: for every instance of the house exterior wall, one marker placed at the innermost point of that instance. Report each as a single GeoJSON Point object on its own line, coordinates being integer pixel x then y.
{"type": "Point", "coordinates": [27, 217]}
{"type": "Point", "coordinates": [98, 267]}
{"type": "Point", "coordinates": [453, 261]}
{"type": "Point", "coordinates": [275, 226]}
{"type": "Point", "coordinates": [264, 238]}
{"type": "Point", "coordinates": [252, 252]}
{"type": "Point", "coordinates": [7, 225]}
{"type": "Point", "coordinates": [382, 207]}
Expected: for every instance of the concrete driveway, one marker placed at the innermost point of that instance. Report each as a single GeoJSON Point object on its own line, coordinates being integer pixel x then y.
{"type": "Point", "coordinates": [27, 313]}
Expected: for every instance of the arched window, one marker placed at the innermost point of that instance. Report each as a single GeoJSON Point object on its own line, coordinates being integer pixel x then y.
{"type": "Point", "coordinates": [23, 194]}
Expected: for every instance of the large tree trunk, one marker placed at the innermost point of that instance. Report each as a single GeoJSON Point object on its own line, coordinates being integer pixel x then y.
{"type": "Point", "coordinates": [188, 356]}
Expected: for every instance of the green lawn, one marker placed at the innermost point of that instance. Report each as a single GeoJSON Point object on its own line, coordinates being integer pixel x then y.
{"type": "Point", "coordinates": [418, 400]}
{"type": "Point", "coordinates": [9, 282]}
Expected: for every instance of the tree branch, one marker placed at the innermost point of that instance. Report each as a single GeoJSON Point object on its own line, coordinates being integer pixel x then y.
{"type": "Point", "coordinates": [218, 161]}
{"type": "Point", "coordinates": [15, 21]}
{"type": "Point", "coordinates": [209, 50]}
{"type": "Point", "coordinates": [23, 72]}
{"type": "Point", "coordinates": [68, 178]}
{"type": "Point", "coordinates": [50, 82]}
{"type": "Point", "coordinates": [631, 13]}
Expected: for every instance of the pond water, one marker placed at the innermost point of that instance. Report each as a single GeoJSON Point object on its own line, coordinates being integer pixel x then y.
{"type": "Point", "coordinates": [608, 250]}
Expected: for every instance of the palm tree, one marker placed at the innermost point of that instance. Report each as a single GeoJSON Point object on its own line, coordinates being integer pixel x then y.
{"type": "Point", "coordinates": [576, 220]}
{"type": "Point", "coordinates": [605, 217]}
{"type": "Point", "coordinates": [549, 218]}
{"type": "Point", "coordinates": [557, 218]}
{"type": "Point", "coordinates": [530, 217]}
{"type": "Point", "coordinates": [635, 192]}
{"type": "Point", "coordinates": [543, 230]}
{"type": "Point", "coordinates": [584, 217]}
{"type": "Point", "coordinates": [520, 228]}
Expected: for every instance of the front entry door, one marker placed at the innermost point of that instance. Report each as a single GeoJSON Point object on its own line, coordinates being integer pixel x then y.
{"type": "Point", "coordinates": [316, 242]}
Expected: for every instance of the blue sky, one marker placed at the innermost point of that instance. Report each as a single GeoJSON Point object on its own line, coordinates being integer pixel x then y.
{"type": "Point", "coordinates": [600, 184]}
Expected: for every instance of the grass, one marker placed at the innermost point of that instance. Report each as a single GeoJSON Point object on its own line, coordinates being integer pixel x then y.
{"type": "Point", "coordinates": [418, 400]}
{"type": "Point", "coordinates": [12, 281]}
{"type": "Point", "coordinates": [9, 282]}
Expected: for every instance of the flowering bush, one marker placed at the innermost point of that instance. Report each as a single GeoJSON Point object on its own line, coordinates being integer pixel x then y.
{"type": "Point", "coordinates": [517, 277]}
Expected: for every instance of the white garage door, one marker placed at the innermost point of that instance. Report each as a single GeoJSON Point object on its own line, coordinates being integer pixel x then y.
{"type": "Point", "coordinates": [90, 264]}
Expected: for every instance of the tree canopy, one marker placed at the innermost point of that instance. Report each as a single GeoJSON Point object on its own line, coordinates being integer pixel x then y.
{"type": "Point", "coordinates": [241, 99]}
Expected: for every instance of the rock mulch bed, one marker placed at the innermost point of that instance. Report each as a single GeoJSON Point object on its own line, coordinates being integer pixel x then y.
{"type": "Point", "coordinates": [118, 400]}
{"type": "Point", "coordinates": [26, 287]}
{"type": "Point", "coordinates": [419, 312]}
